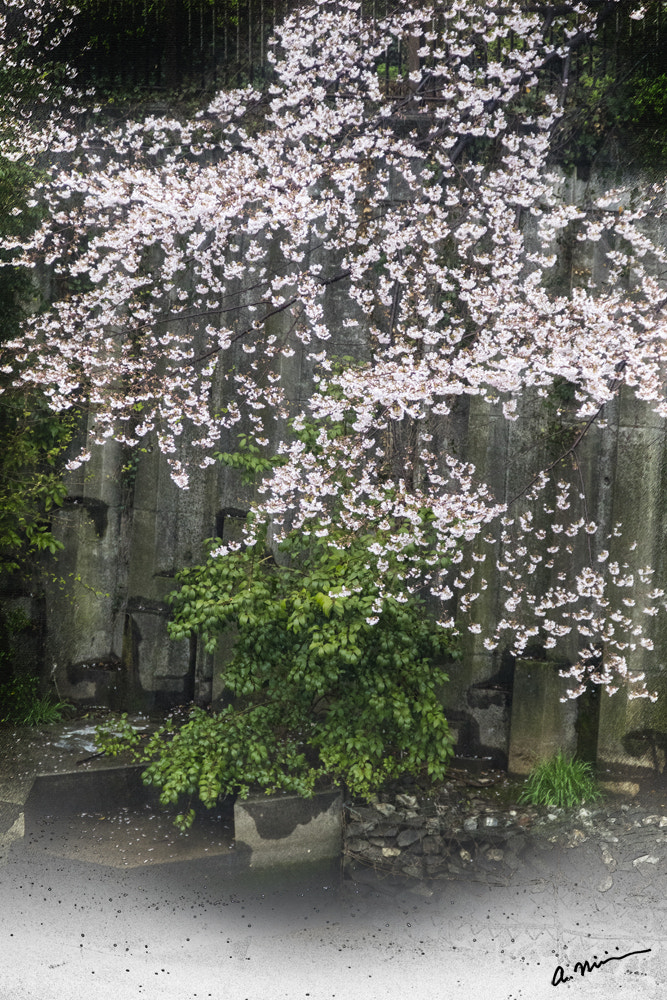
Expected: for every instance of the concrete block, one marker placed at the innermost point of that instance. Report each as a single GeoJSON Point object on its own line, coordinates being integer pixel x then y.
{"type": "Point", "coordinates": [96, 791]}
{"type": "Point", "coordinates": [289, 829]}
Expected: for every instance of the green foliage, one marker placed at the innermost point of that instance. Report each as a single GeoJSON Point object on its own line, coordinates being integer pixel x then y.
{"type": "Point", "coordinates": [32, 437]}
{"type": "Point", "coordinates": [249, 460]}
{"type": "Point", "coordinates": [561, 781]}
{"type": "Point", "coordinates": [389, 76]}
{"type": "Point", "coordinates": [647, 116]}
{"type": "Point", "coordinates": [22, 705]}
{"type": "Point", "coordinates": [591, 114]}
{"type": "Point", "coordinates": [323, 685]}
{"type": "Point", "coordinates": [32, 440]}
{"type": "Point", "coordinates": [17, 220]}
{"type": "Point", "coordinates": [560, 431]}
{"type": "Point", "coordinates": [13, 621]}
{"type": "Point", "coordinates": [632, 108]}
{"type": "Point", "coordinates": [617, 90]}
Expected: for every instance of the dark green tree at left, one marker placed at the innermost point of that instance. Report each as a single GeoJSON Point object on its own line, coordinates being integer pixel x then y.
{"type": "Point", "coordinates": [32, 437]}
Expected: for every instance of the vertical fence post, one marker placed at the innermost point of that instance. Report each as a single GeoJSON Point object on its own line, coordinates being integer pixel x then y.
{"type": "Point", "coordinates": [238, 35]}
{"type": "Point", "coordinates": [250, 62]}
{"type": "Point", "coordinates": [214, 47]}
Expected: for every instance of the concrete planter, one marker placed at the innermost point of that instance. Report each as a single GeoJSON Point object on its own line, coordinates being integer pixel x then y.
{"type": "Point", "coordinates": [268, 830]}
{"type": "Point", "coordinates": [288, 829]}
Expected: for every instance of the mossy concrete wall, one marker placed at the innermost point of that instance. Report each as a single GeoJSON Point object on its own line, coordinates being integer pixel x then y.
{"type": "Point", "coordinates": [621, 471]}
{"type": "Point", "coordinates": [541, 723]}
{"type": "Point", "coordinates": [127, 530]}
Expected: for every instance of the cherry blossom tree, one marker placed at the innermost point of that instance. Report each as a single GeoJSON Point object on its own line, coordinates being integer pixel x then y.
{"type": "Point", "coordinates": [194, 258]}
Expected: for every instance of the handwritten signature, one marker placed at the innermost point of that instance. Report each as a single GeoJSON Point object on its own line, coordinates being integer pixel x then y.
{"type": "Point", "coordinates": [584, 967]}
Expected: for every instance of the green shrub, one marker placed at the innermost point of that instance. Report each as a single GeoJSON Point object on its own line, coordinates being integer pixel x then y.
{"type": "Point", "coordinates": [335, 675]}
{"type": "Point", "coordinates": [324, 685]}
{"type": "Point", "coordinates": [561, 781]}
{"type": "Point", "coordinates": [22, 705]}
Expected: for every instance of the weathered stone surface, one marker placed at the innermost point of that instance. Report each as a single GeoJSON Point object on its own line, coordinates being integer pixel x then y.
{"type": "Point", "coordinates": [384, 830]}
{"type": "Point", "coordinates": [442, 848]}
{"type": "Point", "coordinates": [495, 854]}
{"type": "Point", "coordinates": [415, 822]}
{"type": "Point", "coordinates": [415, 849]}
{"type": "Point", "coordinates": [374, 855]}
{"type": "Point", "coordinates": [541, 723]}
{"type": "Point", "coordinates": [357, 829]}
{"type": "Point", "coordinates": [407, 837]}
{"type": "Point", "coordinates": [285, 829]}
{"type": "Point", "coordinates": [608, 858]}
{"type": "Point", "coordinates": [646, 859]}
{"type": "Point", "coordinates": [630, 788]}
{"type": "Point", "coordinates": [408, 801]}
{"type": "Point", "coordinates": [433, 844]}
{"type": "Point", "coordinates": [364, 814]}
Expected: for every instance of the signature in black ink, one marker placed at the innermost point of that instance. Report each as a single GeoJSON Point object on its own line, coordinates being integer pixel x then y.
{"type": "Point", "coordinates": [584, 967]}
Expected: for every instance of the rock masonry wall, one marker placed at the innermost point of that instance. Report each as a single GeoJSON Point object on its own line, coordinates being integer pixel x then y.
{"type": "Point", "coordinates": [475, 829]}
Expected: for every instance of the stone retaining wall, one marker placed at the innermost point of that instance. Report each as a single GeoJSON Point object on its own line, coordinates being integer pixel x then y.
{"type": "Point", "coordinates": [475, 828]}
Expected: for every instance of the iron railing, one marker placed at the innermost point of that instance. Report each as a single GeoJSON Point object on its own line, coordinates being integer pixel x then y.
{"type": "Point", "coordinates": [207, 44]}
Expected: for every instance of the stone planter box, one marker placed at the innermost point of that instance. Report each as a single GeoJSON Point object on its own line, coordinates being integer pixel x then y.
{"type": "Point", "coordinates": [64, 794]}
{"type": "Point", "coordinates": [269, 830]}
{"type": "Point", "coordinates": [288, 829]}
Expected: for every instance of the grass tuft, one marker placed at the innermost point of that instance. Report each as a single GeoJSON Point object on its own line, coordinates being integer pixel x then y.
{"type": "Point", "coordinates": [562, 782]}
{"type": "Point", "coordinates": [22, 705]}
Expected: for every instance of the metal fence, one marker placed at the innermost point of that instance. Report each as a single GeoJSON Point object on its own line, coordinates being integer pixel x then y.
{"type": "Point", "coordinates": [167, 44]}
{"type": "Point", "coordinates": [204, 44]}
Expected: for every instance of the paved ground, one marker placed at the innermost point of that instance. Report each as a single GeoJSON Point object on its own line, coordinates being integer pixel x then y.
{"type": "Point", "coordinates": [117, 906]}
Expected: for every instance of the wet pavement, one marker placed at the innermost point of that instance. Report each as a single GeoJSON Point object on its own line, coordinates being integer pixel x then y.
{"type": "Point", "coordinates": [100, 904]}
